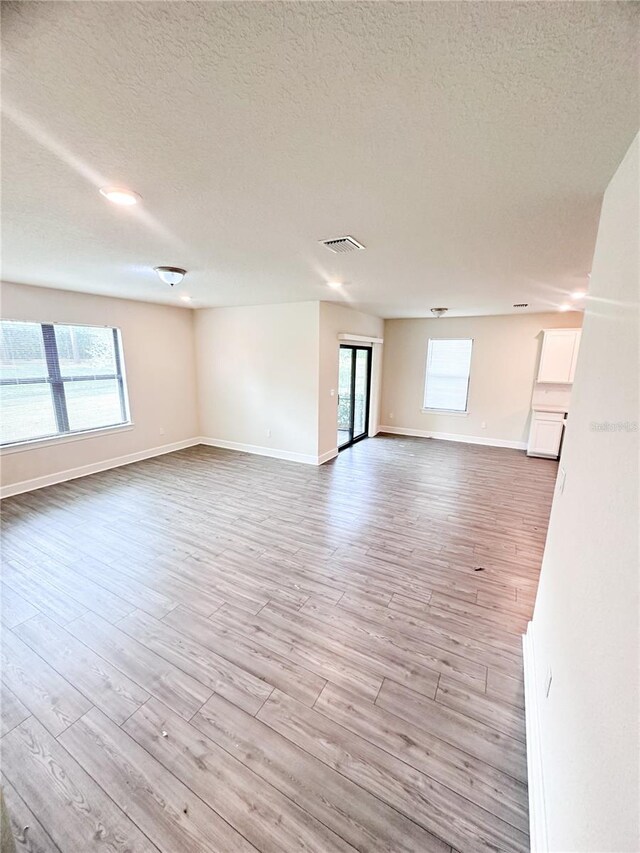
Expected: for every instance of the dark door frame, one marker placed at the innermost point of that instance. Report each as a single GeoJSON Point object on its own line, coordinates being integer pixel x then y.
{"type": "Point", "coordinates": [365, 434]}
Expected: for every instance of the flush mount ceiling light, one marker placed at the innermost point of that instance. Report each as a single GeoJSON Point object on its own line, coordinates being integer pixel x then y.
{"type": "Point", "coordinates": [335, 285]}
{"type": "Point", "coordinates": [578, 294]}
{"type": "Point", "coordinates": [185, 298]}
{"type": "Point", "coordinates": [118, 195]}
{"type": "Point", "coordinates": [438, 312]}
{"type": "Point", "coordinates": [565, 307]}
{"type": "Point", "coordinates": [170, 275]}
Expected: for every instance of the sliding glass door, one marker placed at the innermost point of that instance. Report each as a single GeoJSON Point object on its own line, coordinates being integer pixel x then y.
{"type": "Point", "coordinates": [354, 380]}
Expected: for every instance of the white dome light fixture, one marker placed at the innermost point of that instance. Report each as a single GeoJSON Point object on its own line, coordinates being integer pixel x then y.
{"type": "Point", "coordinates": [438, 312]}
{"type": "Point", "coordinates": [170, 275]}
{"type": "Point", "coordinates": [121, 196]}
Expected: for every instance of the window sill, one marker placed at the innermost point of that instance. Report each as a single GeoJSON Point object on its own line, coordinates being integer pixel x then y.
{"type": "Point", "coordinates": [444, 412]}
{"type": "Point", "coordinates": [37, 443]}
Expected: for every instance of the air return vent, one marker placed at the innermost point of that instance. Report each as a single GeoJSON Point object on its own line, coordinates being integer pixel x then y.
{"type": "Point", "coordinates": [339, 245]}
{"type": "Point", "coordinates": [520, 304]}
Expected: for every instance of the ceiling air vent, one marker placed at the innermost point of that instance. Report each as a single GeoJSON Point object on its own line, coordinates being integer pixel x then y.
{"type": "Point", "coordinates": [339, 245]}
{"type": "Point", "coordinates": [520, 304]}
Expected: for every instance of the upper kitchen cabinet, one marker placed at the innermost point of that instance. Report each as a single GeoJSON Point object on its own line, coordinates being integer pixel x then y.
{"type": "Point", "coordinates": [559, 355]}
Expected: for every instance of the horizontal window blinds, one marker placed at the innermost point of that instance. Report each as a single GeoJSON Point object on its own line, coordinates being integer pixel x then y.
{"type": "Point", "coordinates": [447, 375]}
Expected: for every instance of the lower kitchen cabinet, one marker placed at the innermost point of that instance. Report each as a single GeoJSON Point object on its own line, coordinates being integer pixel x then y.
{"type": "Point", "coordinates": [545, 434]}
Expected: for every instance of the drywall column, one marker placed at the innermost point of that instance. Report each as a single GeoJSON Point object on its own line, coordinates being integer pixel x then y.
{"type": "Point", "coordinates": [376, 389]}
{"type": "Point", "coordinates": [584, 784]}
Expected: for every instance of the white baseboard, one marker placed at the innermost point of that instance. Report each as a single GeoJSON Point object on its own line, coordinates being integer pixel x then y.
{"type": "Point", "coordinates": [118, 461]}
{"type": "Point", "coordinates": [274, 453]}
{"type": "Point", "coordinates": [325, 457]}
{"type": "Point", "coordinates": [454, 436]}
{"type": "Point", "coordinates": [413, 433]}
{"type": "Point", "coordinates": [537, 810]}
{"type": "Point", "coordinates": [93, 468]}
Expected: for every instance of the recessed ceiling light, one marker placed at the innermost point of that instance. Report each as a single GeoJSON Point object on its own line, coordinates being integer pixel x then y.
{"type": "Point", "coordinates": [578, 294]}
{"type": "Point", "coordinates": [170, 275]}
{"type": "Point", "coordinates": [565, 307]}
{"type": "Point", "coordinates": [336, 285]}
{"type": "Point", "coordinates": [120, 196]}
{"type": "Point", "coordinates": [438, 312]}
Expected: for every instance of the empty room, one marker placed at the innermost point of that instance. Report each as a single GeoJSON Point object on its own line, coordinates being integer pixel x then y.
{"type": "Point", "coordinates": [319, 404]}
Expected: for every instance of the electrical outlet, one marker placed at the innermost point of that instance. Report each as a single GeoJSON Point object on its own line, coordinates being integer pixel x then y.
{"type": "Point", "coordinates": [269, 433]}
{"type": "Point", "coordinates": [483, 425]}
{"type": "Point", "coordinates": [547, 682]}
{"type": "Point", "coordinates": [391, 415]}
{"type": "Point", "coordinates": [332, 393]}
{"type": "Point", "coordinates": [161, 430]}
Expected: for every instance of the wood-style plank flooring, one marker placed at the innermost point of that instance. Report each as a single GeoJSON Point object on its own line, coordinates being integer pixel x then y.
{"type": "Point", "coordinates": [211, 651]}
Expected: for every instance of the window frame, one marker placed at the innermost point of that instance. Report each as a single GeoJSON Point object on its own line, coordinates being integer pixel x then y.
{"type": "Point", "coordinates": [432, 409]}
{"type": "Point", "coordinates": [55, 379]}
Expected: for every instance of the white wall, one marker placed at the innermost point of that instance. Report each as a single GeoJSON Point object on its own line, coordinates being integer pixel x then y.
{"type": "Point", "coordinates": [253, 378]}
{"type": "Point", "coordinates": [338, 319]}
{"type": "Point", "coordinates": [258, 377]}
{"type": "Point", "coordinates": [160, 367]}
{"type": "Point", "coordinates": [504, 361]}
{"type": "Point", "coordinates": [265, 374]}
{"type": "Point", "coordinates": [586, 622]}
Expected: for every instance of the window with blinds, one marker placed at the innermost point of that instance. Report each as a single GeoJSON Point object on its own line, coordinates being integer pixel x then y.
{"type": "Point", "coordinates": [58, 380]}
{"type": "Point", "coordinates": [447, 377]}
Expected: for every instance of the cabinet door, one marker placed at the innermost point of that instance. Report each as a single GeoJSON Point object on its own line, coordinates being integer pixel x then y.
{"type": "Point", "coordinates": [559, 355]}
{"type": "Point", "coordinates": [545, 437]}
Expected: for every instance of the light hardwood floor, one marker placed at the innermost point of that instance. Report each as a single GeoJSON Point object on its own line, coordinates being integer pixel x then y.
{"type": "Point", "coordinates": [211, 651]}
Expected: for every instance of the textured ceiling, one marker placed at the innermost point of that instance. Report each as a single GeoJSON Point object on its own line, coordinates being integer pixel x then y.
{"type": "Point", "coordinates": [467, 145]}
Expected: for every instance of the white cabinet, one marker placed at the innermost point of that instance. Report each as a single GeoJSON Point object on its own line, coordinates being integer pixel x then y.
{"type": "Point", "coordinates": [545, 434]}
{"type": "Point", "coordinates": [559, 355]}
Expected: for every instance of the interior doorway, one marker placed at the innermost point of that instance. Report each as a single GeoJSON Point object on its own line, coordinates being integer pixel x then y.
{"type": "Point", "coordinates": [354, 391]}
